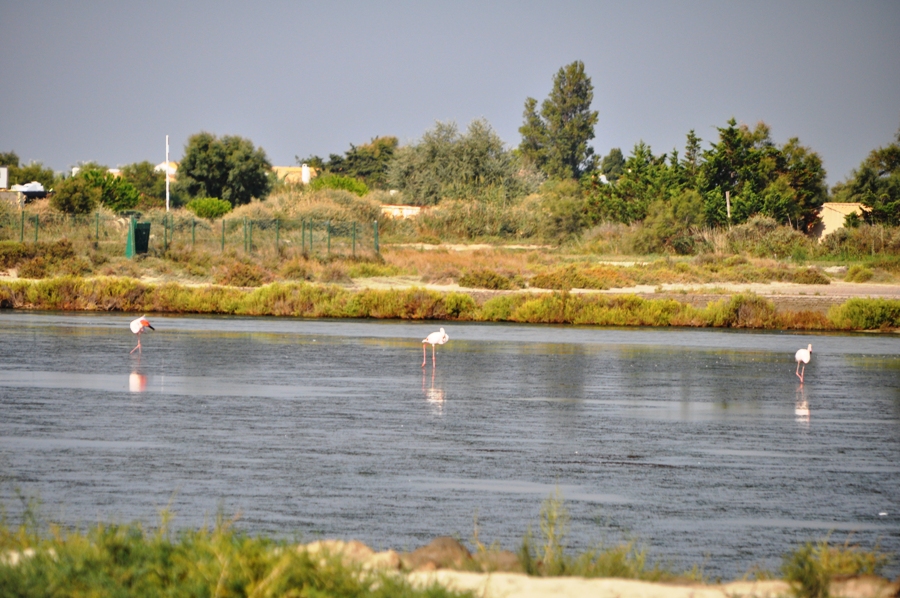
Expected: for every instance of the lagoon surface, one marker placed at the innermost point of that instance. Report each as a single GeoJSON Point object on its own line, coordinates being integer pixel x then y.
{"type": "Point", "coordinates": [700, 444]}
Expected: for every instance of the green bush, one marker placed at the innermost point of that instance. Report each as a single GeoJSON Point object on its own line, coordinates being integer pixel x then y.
{"type": "Point", "coordinates": [485, 279]}
{"type": "Point", "coordinates": [336, 181]}
{"type": "Point", "coordinates": [208, 207]}
{"type": "Point", "coordinates": [33, 268]}
{"type": "Point", "coordinates": [858, 273]}
{"type": "Point", "coordinates": [116, 193]}
{"type": "Point", "coordinates": [75, 195]}
{"type": "Point", "coordinates": [239, 274]}
{"type": "Point", "coordinates": [810, 276]}
{"type": "Point", "coordinates": [810, 568]}
{"type": "Point", "coordinates": [866, 314]}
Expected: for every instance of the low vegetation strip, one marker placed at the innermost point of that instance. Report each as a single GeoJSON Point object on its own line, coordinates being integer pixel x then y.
{"type": "Point", "coordinates": [303, 299]}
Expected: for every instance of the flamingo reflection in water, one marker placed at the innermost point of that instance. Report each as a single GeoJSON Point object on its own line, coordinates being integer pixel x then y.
{"type": "Point", "coordinates": [801, 407]}
{"type": "Point", "coordinates": [433, 395]}
{"type": "Point", "coordinates": [137, 382]}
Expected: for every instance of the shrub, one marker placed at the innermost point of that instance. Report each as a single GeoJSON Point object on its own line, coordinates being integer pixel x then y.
{"type": "Point", "coordinates": [810, 276]}
{"type": "Point", "coordinates": [239, 274]}
{"type": "Point", "coordinates": [334, 272]}
{"type": "Point", "coordinates": [296, 269]}
{"type": "Point", "coordinates": [810, 568]}
{"type": "Point", "coordinates": [11, 253]}
{"type": "Point", "coordinates": [485, 279]}
{"type": "Point", "coordinates": [75, 195]}
{"type": "Point", "coordinates": [669, 225]}
{"type": "Point", "coordinates": [208, 207]}
{"type": "Point", "coordinates": [858, 273]}
{"type": "Point", "coordinates": [336, 181]}
{"type": "Point", "coordinates": [116, 193]}
{"type": "Point", "coordinates": [33, 268]}
{"type": "Point", "coordinates": [866, 314]}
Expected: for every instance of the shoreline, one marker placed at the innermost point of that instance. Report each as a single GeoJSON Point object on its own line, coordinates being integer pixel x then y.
{"type": "Point", "coordinates": [782, 306]}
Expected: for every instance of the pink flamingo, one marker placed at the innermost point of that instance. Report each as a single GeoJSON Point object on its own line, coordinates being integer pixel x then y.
{"type": "Point", "coordinates": [137, 327]}
{"type": "Point", "coordinates": [802, 355]}
{"type": "Point", "coordinates": [435, 338]}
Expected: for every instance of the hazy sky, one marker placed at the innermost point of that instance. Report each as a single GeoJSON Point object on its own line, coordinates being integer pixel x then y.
{"type": "Point", "coordinates": [106, 81]}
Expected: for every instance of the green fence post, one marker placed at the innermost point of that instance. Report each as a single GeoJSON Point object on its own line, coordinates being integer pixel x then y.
{"type": "Point", "coordinates": [376, 237]}
{"type": "Point", "coordinates": [223, 235]}
{"type": "Point", "coordinates": [98, 227]}
{"type": "Point", "coordinates": [22, 229]}
{"type": "Point", "coordinates": [354, 239]}
{"type": "Point", "coordinates": [310, 237]}
{"type": "Point", "coordinates": [193, 232]}
{"type": "Point", "coordinates": [303, 236]}
{"type": "Point", "coordinates": [129, 242]}
{"type": "Point", "coordinates": [249, 236]}
{"type": "Point", "coordinates": [36, 226]}
{"type": "Point", "coordinates": [328, 235]}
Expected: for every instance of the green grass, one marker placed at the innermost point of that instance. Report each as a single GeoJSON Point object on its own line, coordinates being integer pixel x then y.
{"type": "Point", "coordinates": [127, 560]}
{"type": "Point", "coordinates": [811, 567]}
{"type": "Point", "coordinates": [304, 299]}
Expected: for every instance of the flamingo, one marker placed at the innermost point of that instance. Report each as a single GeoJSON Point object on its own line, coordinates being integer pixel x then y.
{"type": "Point", "coordinates": [802, 355]}
{"type": "Point", "coordinates": [435, 338]}
{"type": "Point", "coordinates": [137, 327]}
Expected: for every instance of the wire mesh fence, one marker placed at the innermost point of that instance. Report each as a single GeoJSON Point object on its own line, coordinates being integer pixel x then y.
{"type": "Point", "coordinates": [308, 236]}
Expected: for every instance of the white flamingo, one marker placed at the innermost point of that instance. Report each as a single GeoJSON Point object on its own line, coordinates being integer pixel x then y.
{"type": "Point", "coordinates": [802, 355]}
{"type": "Point", "coordinates": [137, 327]}
{"type": "Point", "coordinates": [435, 338]}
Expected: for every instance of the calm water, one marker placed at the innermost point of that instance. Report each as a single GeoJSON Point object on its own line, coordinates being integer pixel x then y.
{"type": "Point", "coordinates": [700, 444]}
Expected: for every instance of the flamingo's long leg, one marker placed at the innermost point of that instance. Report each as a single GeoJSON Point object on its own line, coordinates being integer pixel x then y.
{"type": "Point", "coordinates": [432, 355]}
{"type": "Point", "coordinates": [424, 354]}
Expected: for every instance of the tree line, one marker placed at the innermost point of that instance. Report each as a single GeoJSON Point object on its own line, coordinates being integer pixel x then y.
{"type": "Point", "coordinates": [741, 174]}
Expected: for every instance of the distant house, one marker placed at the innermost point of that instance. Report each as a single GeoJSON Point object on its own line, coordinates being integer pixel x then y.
{"type": "Point", "coordinates": [295, 174]}
{"type": "Point", "coordinates": [398, 211]}
{"type": "Point", "coordinates": [170, 168]}
{"type": "Point", "coordinates": [832, 217]}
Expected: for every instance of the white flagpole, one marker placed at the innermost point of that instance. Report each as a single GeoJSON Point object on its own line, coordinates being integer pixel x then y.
{"type": "Point", "coordinates": [167, 173]}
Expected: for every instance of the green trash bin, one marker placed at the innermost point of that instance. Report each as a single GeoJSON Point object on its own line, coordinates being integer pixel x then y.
{"type": "Point", "coordinates": [138, 238]}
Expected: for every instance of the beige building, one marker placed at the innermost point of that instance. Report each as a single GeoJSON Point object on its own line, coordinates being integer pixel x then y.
{"type": "Point", "coordinates": [295, 174]}
{"type": "Point", "coordinates": [832, 217]}
{"type": "Point", "coordinates": [401, 212]}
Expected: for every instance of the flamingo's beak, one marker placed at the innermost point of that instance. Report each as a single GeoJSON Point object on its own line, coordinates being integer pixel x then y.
{"type": "Point", "coordinates": [150, 327]}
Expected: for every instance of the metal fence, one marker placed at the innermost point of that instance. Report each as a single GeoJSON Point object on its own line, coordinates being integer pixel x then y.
{"type": "Point", "coordinates": [168, 231]}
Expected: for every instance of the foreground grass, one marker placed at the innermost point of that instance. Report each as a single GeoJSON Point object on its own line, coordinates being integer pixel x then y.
{"type": "Point", "coordinates": [125, 560]}
{"type": "Point", "coordinates": [301, 299]}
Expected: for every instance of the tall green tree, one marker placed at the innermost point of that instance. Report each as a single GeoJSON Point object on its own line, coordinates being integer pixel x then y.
{"type": "Point", "coordinates": [556, 140]}
{"type": "Point", "coordinates": [149, 182]}
{"type": "Point", "coordinates": [228, 168]}
{"type": "Point", "coordinates": [368, 162]}
{"type": "Point", "coordinates": [448, 164]}
{"type": "Point", "coordinates": [786, 183]}
{"type": "Point", "coordinates": [116, 193]}
{"type": "Point", "coordinates": [876, 184]}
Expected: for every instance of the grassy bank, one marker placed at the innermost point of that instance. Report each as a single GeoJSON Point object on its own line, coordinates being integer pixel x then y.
{"type": "Point", "coordinates": [129, 560]}
{"type": "Point", "coordinates": [301, 299]}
